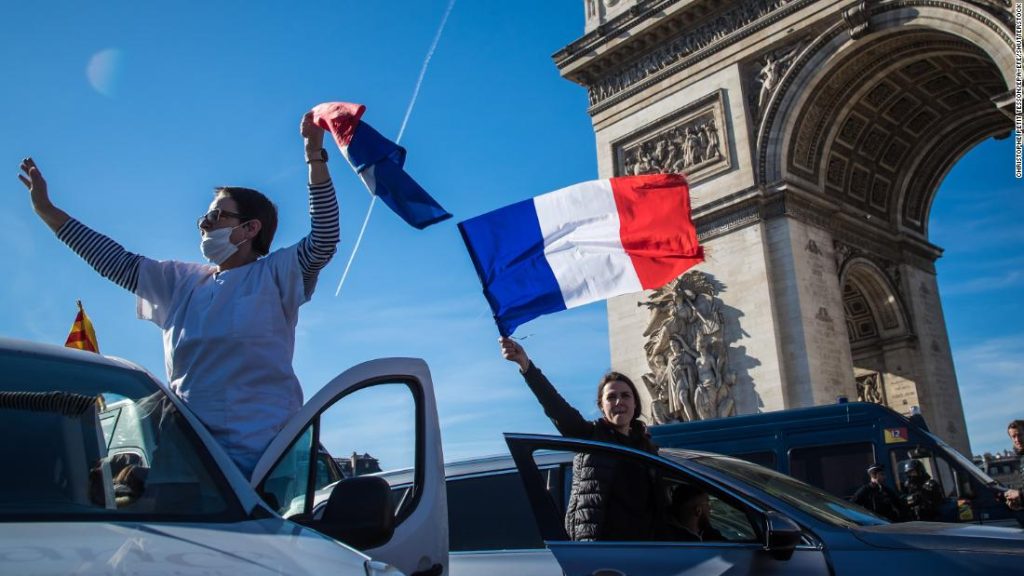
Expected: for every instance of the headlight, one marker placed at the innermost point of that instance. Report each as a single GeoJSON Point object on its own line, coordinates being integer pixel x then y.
{"type": "Point", "coordinates": [375, 568]}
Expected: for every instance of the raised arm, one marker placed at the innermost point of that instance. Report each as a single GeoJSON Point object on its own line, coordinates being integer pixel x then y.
{"type": "Point", "coordinates": [316, 249]}
{"type": "Point", "coordinates": [107, 257]}
{"type": "Point", "coordinates": [33, 179]}
{"type": "Point", "coordinates": [566, 419]}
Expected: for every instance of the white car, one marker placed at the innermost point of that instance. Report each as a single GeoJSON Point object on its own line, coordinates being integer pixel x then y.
{"type": "Point", "coordinates": [106, 472]}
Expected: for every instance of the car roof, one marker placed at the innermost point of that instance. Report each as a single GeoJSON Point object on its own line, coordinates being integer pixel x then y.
{"type": "Point", "coordinates": [503, 462]}
{"type": "Point", "coordinates": [14, 346]}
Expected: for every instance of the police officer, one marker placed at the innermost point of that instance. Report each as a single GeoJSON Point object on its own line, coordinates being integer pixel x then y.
{"type": "Point", "coordinates": [921, 494]}
{"type": "Point", "coordinates": [878, 497]}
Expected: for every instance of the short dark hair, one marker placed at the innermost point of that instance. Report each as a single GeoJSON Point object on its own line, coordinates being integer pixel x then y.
{"type": "Point", "coordinates": [253, 205]}
{"type": "Point", "coordinates": [684, 495]}
{"type": "Point", "coordinates": [1017, 425]}
{"type": "Point", "coordinates": [619, 377]}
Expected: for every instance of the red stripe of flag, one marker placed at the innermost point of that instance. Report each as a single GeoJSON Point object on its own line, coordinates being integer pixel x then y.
{"type": "Point", "coordinates": [656, 226]}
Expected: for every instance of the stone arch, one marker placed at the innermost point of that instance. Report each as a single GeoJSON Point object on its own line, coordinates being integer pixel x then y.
{"type": "Point", "coordinates": [875, 123]}
{"type": "Point", "coordinates": [874, 310]}
{"type": "Point", "coordinates": [881, 338]}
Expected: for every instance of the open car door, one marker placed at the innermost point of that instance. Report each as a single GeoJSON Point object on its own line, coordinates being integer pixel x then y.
{"type": "Point", "coordinates": [385, 409]}
{"type": "Point", "coordinates": [741, 537]}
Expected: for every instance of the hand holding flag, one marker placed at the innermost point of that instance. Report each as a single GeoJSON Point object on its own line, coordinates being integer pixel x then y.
{"type": "Point", "coordinates": [379, 163]}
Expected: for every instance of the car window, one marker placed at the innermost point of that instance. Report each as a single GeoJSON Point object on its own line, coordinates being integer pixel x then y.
{"type": "Point", "coordinates": [956, 457]}
{"type": "Point", "coordinates": [766, 458]}
{"type": "Point", "coordinates": [936, 466]}
{"type": "Point", "coordinates": [327, 470]}
{"type": "Point", "coordinates": [348, 433]}
{"type": "Point", "coordinates": [643, 501]}
{"type": "Point", "coordinates": [728, 522]}
{"type": "Point", "coordinates": [809, 499]}
{"type": "Point", "coordinates": [837, 468]}
{"type": "Point", "coordinates": [490, 512]}
{"type": "Point", "coordinates": [944, 474]}
{"type": "Point", "coordinates": [98, 441]}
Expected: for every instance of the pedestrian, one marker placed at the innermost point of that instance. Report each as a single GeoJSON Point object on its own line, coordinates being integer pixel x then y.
{"type": "Point", "coordinates": [878, 497]}
{"type": "Point", "coordinates": [1015, 430]}
{"type": "Point", "coordinates": [611, 499]}
{"type": "Point", "coordinates": [921, 494]}
{"type": "Point", "coordinates": [229, 326]}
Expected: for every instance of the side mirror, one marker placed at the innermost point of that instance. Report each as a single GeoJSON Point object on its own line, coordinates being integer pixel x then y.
{"type": "Point", "coordinates": [359, 513]}
{"type": "Point", "coordinates": [781, 535]}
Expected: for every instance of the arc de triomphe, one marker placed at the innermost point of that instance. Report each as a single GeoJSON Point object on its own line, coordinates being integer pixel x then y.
{"type": "Point", "coordinates": [815, 134]}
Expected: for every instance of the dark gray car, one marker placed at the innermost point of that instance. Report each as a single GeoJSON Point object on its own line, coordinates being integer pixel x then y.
{"type": "Point", "coordinates": [770, 523]}
{"type": "Point", "coordinates": [503, 523]}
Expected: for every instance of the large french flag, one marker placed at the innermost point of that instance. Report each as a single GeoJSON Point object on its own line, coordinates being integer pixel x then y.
{"type": "Point", "coordinates": [581, 244]}
{"type": "Point", "coordinates": [379, 163]}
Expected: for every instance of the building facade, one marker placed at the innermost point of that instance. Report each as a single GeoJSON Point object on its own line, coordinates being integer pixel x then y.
{"type": "Point", "coordinates": [814, 134]}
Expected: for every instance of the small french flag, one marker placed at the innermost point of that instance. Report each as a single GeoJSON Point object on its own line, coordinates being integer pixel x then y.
{"type": "Point", "coordinates": [378, 162]}
{"type": "Point", "coordinates": [581, 244]}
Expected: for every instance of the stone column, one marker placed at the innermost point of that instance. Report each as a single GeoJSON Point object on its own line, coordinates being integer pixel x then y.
{"type": "Point", "coordinates": [938, 390]}
{"type": "Point", "coordinates": [818, 366]}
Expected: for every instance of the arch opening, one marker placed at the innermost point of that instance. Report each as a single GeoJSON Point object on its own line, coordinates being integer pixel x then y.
{"type": "Point", "coordinates": [881, 340]}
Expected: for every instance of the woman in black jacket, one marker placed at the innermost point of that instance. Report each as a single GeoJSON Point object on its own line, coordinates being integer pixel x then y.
{"type": "Point", "coordinates": [611, 498]}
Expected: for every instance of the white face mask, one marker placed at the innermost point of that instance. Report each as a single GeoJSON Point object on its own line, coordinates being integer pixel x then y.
{"type": "Point", "coordinates": [216, 245]}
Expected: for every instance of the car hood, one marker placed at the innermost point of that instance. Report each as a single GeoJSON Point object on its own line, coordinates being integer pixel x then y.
{"type": "Point", "coordinates": [942, 536]}
{"type": "Point", "coordinates": [267, 546]}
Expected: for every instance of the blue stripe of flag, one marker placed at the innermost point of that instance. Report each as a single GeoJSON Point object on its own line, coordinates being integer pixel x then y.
{"type": "Point", "coordinates": [507, 250]}
{"type": "Point", "coordinates": [369, 150]}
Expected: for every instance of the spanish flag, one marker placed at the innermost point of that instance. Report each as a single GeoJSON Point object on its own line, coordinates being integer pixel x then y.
{"type": "Point", "coordinates": [82, 335]}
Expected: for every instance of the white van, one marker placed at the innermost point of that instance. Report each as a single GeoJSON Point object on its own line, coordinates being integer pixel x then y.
{"type": "Point", "coordinates": [107, 472]}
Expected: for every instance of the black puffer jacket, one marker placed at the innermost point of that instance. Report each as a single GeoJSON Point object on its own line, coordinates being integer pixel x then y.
{"type": "Point", "coordinates": [611, 498]}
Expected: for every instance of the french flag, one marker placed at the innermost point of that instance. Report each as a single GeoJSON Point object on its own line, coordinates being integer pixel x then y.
{"type": "Point", "coordinates": [581, 244]}
{"type": "Point", "coordinates": [378, 162]}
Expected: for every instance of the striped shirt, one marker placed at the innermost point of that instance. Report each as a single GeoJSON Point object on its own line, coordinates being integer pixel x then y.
{"type": "Point", "coordinates": [120, 266]}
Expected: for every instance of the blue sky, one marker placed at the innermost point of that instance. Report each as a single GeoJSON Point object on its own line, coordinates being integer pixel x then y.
{"type": "Point", "coordinates": [176, 102]}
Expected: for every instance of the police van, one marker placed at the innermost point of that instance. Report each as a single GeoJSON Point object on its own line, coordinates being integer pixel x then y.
{"type": "Point", "coordinates": [832, 446]}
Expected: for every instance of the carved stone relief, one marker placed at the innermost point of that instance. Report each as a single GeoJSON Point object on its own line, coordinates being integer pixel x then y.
{"type": "Point", "coordinates": [768, 70]}
{"type": "Point", "coordinates": [681, 46]}
{"type": "Point", "coordinates": [870, 388]}
{"type": "Point", "coordinates": [694, 141]}
{"type": "Point", "coordinates": [689, 376]}
{"type": "Point", "coordinates": [600, 11]}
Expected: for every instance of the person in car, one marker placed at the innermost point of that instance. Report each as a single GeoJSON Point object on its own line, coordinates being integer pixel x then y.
{"type": "Point", "coordinates": [689, 518]}
{"type": "Point", "coordinates": [611, 499]}
{"type": "Point", "coordinates": [878, 497]}
{"type": "Point", "coordinates": [228, 327]}
{"type": "Point", "coordinates": [921, 494]}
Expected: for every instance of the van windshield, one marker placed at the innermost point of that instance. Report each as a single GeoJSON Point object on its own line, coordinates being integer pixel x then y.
{"type": "Point", "coordinates": [813, 501]}
{"type": "Point", "coordinates": [965, 464]}
{"type": "Point", "coordinates": [99, 442]}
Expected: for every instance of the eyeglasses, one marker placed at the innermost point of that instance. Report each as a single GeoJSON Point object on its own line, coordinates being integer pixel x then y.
{"type": "Point", "coordinates": [214, 216]}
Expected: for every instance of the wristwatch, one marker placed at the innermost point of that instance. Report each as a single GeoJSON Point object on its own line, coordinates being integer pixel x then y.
{"type": "Point", "coordinates": [320, 156]}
